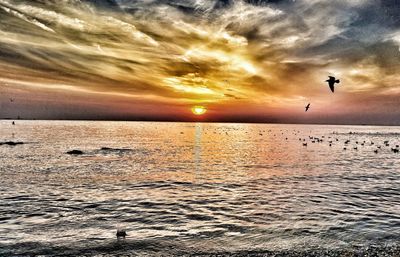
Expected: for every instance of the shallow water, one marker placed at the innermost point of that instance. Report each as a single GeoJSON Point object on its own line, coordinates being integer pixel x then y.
{"type": "Point", "coordinates": [197, 188]}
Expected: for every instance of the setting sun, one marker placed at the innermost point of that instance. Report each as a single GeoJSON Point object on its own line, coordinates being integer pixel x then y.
{"type": "Point", "coordinates": [199, 110]}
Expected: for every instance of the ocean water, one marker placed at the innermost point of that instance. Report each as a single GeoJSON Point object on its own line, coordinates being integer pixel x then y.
{"type": "Point", "coordinates": [198, 189]}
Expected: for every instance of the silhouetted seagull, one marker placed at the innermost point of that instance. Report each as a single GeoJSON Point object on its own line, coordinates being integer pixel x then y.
{"type": "Point", "coordinates": [331, 81]}
{"type": "Point", "coordinates": [11, 100]}
{"type": "Point", "coordinates": [308, 106]}
{"type": "Point", "coordinates": [13, 122]}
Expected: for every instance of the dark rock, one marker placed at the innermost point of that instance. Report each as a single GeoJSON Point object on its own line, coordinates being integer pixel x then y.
{"type": "Point", "coordinates": [75, 152]}
{"type": "Point", "coordinates": [11, 143]}
{"type": "Point", "coordinates": [115, 150]}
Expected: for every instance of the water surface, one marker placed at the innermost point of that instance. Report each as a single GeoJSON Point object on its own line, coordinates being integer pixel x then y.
{"type": "Point", "coordinates": [197, 188]}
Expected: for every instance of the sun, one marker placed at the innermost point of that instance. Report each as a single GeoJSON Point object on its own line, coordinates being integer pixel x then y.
{"type": "Point", "coordinates": [199, 110]}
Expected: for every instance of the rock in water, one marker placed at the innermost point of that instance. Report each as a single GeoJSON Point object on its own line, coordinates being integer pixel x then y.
{"type": "Point", "coordinates": [75, 152]}
{"type": "Point", "coordinates": [11, 143]}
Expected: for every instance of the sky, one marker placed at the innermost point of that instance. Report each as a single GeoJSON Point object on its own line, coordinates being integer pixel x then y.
{"type": "Point", "coordinates": [243, 60]}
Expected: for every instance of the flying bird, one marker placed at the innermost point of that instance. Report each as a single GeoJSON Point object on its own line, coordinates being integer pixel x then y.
{"type": "Point", "coordinates": [331, 81]}
{"type": "Point", "coordinates": [307, 107]}
{"type": "Point", "coordinates": [12, 100]}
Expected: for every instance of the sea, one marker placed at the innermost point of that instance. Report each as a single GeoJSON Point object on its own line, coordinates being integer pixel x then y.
{"type": "Point", "coordinates": [198, 189]}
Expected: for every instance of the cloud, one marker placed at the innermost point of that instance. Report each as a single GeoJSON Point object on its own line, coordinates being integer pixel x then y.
{"type": "Point", "coordinates": [217, 52]}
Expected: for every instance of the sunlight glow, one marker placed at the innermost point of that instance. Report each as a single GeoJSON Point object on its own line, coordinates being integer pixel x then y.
{"type": "Point", "coordinates": [199, 110]}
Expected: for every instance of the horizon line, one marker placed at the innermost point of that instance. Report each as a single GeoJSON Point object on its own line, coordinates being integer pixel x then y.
{"type": "Point", "coordinates": [210, 121]}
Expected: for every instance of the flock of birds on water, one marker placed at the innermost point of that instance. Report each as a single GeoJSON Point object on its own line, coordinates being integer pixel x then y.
{"type": "Point", "coordinates": [348, 141]}
{"type": "Point", "coordinates": [395, 148]}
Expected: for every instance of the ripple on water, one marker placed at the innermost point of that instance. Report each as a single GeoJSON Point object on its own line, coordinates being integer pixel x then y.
{"type": "Point", "coordinates": [199, 193]}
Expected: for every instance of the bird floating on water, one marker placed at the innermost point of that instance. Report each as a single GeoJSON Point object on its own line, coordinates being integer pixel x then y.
{"type": "Point", "coordinates": [121, 234]}
{"type": "Point", "coordinates": [331, 82]}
